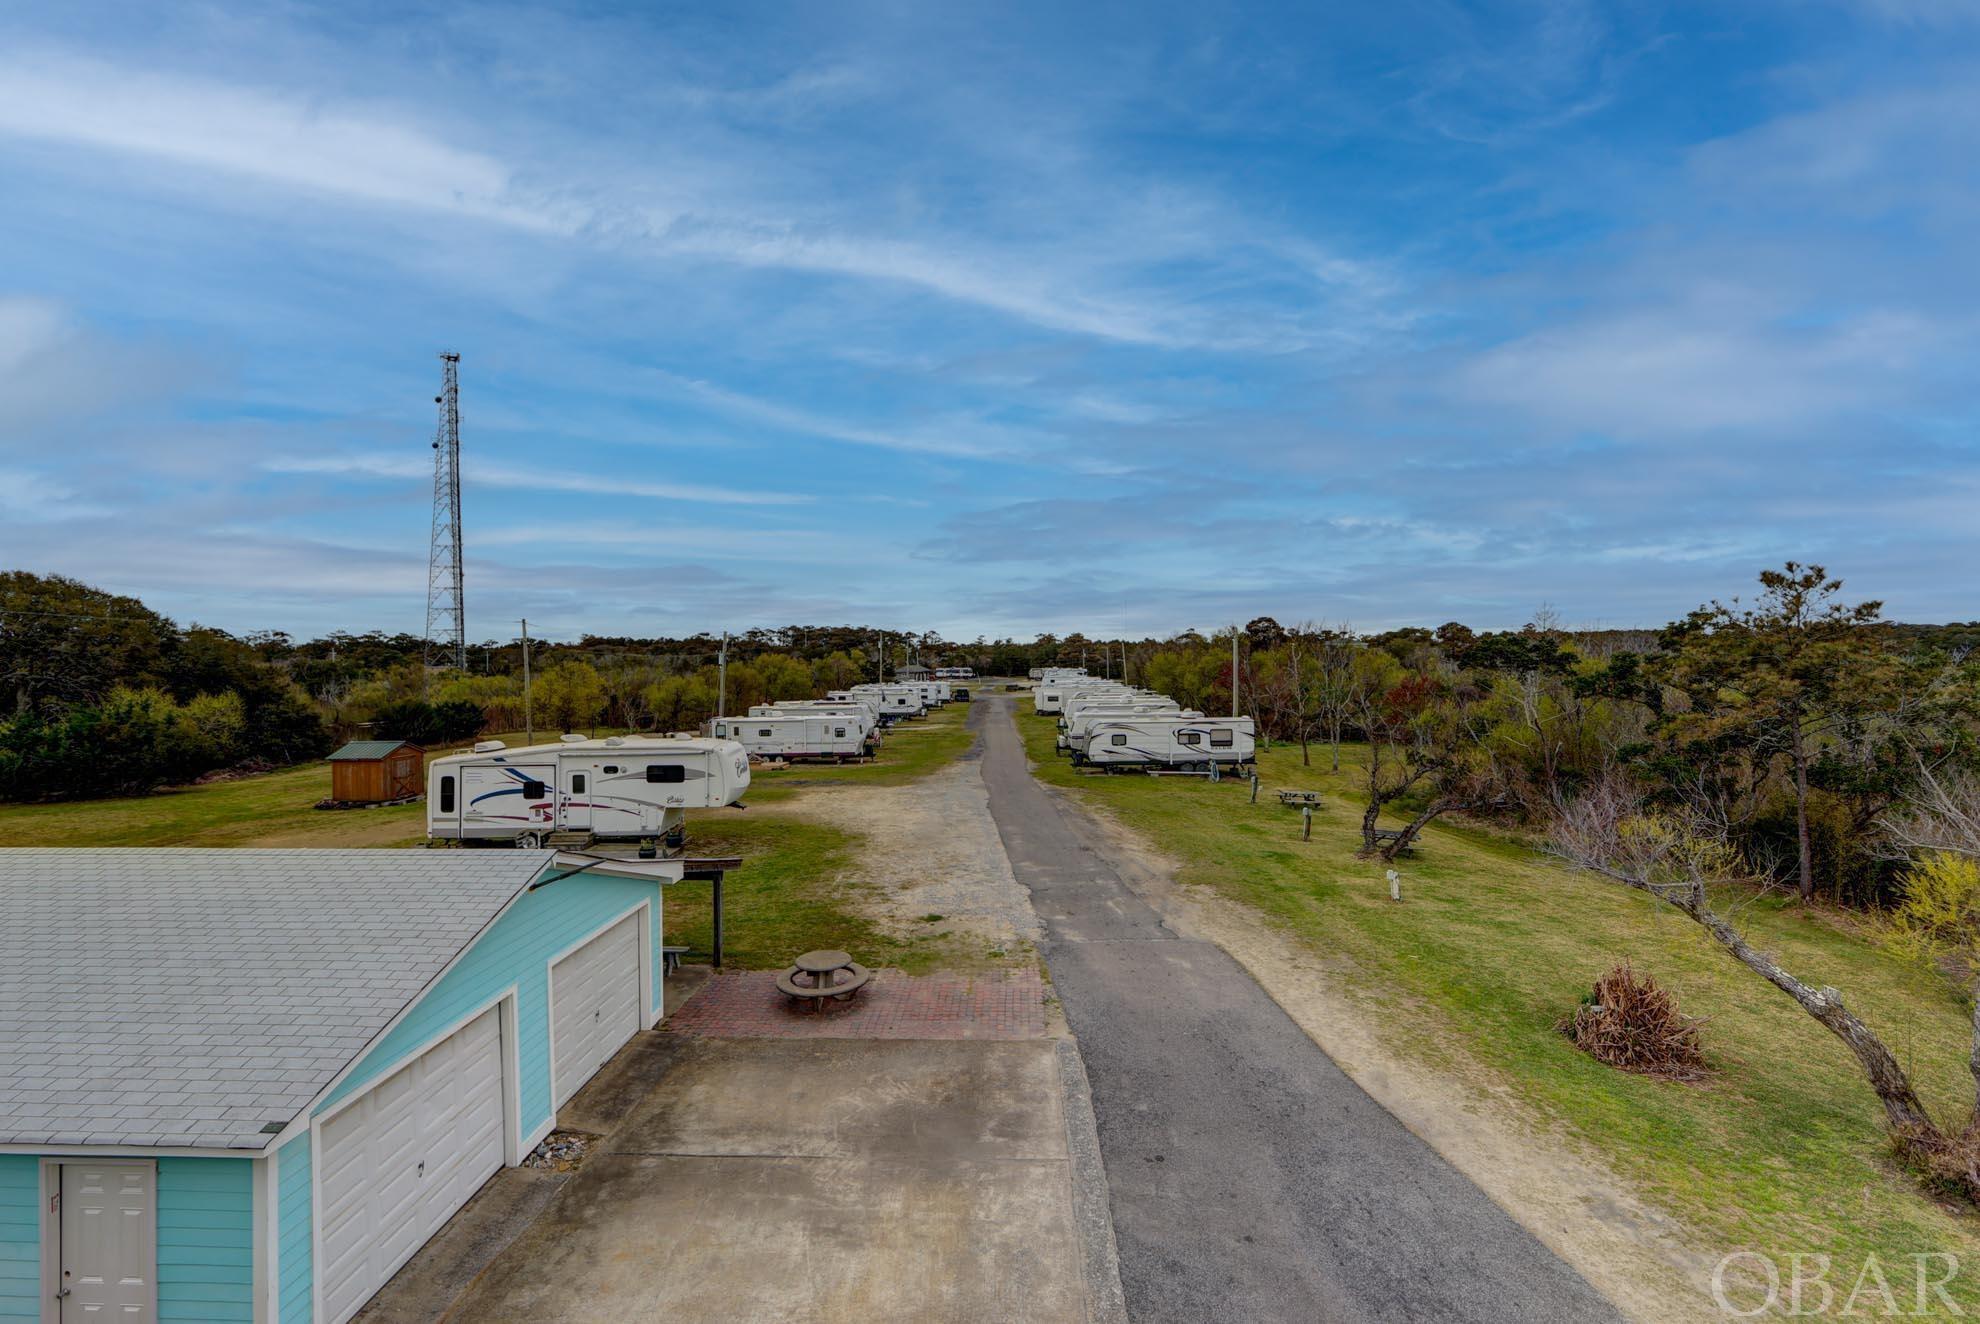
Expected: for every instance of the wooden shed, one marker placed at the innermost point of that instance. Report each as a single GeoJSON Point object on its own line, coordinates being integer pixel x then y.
{"type": "Point", "coordinates": [375, 771]}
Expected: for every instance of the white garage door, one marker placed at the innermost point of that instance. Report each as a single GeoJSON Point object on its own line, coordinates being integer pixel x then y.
{"type": "Point", "coordinates": [594, 994]}
{"type": "Point", "coordinates": [396, 1163]}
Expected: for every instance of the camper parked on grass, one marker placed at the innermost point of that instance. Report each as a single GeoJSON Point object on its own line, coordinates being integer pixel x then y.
{"type": "Point", "coordinates": [619, 787]}
{"type": "Point", "coordinates": [1169, 742]}
{"type": "Point", "coordinates": [797, 736]}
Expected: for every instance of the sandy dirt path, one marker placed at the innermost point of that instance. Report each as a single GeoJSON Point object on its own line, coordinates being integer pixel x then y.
{"type": "Point", "coordinates": [930, 847]}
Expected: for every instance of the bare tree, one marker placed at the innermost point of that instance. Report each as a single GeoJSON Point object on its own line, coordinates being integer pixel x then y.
{"type": "Point", "coordinates": [1608, 831]}
{"type": "Point", "coordinates": [1941, 812]}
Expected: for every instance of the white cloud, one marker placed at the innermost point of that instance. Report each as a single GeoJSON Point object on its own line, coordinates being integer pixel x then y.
{"type": "Point", "coordinates": [1696, 369]}
{"type": "Point", "coordinates": [545, 479]}
{"type": "Point", "coordinates": [277, 140]}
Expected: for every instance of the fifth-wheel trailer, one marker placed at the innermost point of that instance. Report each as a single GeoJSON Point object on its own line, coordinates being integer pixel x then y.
{"type": "Point", "coordinates": [622, 787]}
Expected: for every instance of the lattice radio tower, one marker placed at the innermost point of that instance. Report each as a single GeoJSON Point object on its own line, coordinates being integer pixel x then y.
{"type": "Point", "coordinates": [446, 604]}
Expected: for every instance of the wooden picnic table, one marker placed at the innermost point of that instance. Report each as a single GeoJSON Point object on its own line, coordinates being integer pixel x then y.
{"type": "Point", "coordinates": [1297, 798]}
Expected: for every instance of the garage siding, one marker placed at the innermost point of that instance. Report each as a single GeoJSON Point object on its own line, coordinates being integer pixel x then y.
{"type": "Point", "coordinates": [293, 1249]}
{"type": "Point", "coordinates": [517, 950]}
{"type": "Point", "coordinates": [20, 1238]}
{"type": "Point", "coordinates": [205, 1240]}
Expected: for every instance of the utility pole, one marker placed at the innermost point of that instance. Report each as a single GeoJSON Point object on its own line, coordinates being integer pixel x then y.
{"type": "Point", "coordinates": [446, 601]}
{"type": "Point", "coordinates": [722, 677]}
{"type": "Point", "coordinates": [1124, 674]}
{"type": "Point", "coordinates": [1234, 671]}
{"type": "Point", "coordinates": [529, 716]}
{"type": "Point", "coordinates": [880, 658]}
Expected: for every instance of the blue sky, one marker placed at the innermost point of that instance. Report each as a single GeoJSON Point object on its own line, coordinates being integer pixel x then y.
{"type": "Point", "coordinates": [992, 319]}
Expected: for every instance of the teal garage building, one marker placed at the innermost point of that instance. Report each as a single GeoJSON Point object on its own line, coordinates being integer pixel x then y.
{"type": "Point", "coordinates": [246, 1085]}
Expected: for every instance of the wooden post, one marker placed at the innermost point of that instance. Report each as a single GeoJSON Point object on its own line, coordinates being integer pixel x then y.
{"type": "Point", "coordinates": [718, 921]}
{"type": "Point", "coordinates": [1254, 787]}
{"type": "Point", "coordinates": [1306, 822]}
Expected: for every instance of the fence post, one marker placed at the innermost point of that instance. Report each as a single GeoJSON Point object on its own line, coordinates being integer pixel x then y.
{"type": "Point", "coordinates": [1254, 787]}
{"type": "Point", "coordinates": [1306, 822]}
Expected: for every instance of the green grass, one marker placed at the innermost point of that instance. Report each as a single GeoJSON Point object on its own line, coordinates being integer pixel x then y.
{"type": "Point", "coordinates": [908, 751]}
{"type": "Point", "coordinates": [799, 889]}
{"type": "Point", "coordinates": [800, 885]}
{"type": "Point", "coordinates": [264, 810]}
{"type": "Point", "coordinates": [1780, 1151]}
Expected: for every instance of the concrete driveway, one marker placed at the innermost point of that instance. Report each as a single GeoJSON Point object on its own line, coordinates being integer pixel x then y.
{"type": "Point", "coordinates": [764, 1179]}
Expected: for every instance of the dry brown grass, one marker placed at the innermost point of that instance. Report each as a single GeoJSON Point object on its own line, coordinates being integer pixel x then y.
{"type": "Point", "coordinates": [1633, 1023]}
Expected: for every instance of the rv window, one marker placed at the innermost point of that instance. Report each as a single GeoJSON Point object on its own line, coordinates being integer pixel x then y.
{"type": "Point", "coordinates": [763, 731]}
{"type": "Point", "coordinates": [446, 795]}
{"type": "Point", "coordinates": [532, 790]}
{"type": "Point", "coordinates": [839, 732]}
{"type": "Point", "coordinates": [1222, 739]}
{"type": "Point", "coordinates": [609, 769]}
{"type": "Point", "coordinates": [666, 772]}
{"type": "Point", "coordinates": [1120, 739]}
{"type": "Point", "coordinates": [1190, 737]}
{"type": "Point", "coordinates": [577, 783]}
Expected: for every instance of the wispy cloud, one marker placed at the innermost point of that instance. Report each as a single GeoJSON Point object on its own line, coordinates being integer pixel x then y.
{"type": "Point", "coordinates": [548, 478]}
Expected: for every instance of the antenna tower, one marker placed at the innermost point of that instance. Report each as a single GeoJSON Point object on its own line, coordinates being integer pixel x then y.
{"type": "Point", "coordinates": [446, 604]}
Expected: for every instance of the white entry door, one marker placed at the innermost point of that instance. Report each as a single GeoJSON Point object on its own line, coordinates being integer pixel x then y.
{"type": "Point", "coordinates": [398, 1161]}
{"type": "Point", "coordinates": [109, 1242]}
{"type": "Point", "coordinates": [594, 998]}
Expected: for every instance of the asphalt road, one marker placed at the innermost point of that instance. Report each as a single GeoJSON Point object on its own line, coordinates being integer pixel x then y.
{"type": "Point", "coordinates": [1249, 1178]}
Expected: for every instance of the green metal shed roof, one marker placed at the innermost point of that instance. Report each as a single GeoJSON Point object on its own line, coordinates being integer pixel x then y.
{"type": "Point", "coordinates": [367, 749]}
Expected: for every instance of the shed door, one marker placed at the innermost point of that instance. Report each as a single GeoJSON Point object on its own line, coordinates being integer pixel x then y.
{"type": "Point", "coordinates": [396, 1163]}
{"type": "Point", "coordinates": [109, 1242]}
{"type": "Point", "coordinates": [594, 998]}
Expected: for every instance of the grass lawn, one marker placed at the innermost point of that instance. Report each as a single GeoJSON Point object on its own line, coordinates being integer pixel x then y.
{"type": "Point", "coordinates": [908, 750]}
{"type": "Point", "coordinates": [1781, 1151]}
{"type": "Point", "coordinates": [800, 886]}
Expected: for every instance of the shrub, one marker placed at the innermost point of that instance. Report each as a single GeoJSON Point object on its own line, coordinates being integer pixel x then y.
{"type": "Point", "coordinates": [1632, 1022]}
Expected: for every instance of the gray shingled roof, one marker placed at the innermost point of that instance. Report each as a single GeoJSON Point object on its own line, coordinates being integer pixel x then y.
{"type": "Point", "coordinates": [365, 749]}
{"type": "Point", "coordinates": [188, 997]}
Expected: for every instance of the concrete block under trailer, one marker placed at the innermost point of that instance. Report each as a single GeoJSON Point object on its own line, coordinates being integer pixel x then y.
{"type": "Point", "coordinates": [622, 787]}
{"type": "Point", "coordinates": [797, 737]}
{"type": "Point", "coordinates": [1169, 743]}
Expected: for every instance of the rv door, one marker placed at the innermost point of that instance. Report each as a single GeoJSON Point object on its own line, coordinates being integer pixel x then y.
{"type": "Point", "coordinates": [574, 807]}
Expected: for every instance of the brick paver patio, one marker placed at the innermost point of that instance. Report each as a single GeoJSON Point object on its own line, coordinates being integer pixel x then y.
{"type": "Point", "coordinates": [1007, 1005]}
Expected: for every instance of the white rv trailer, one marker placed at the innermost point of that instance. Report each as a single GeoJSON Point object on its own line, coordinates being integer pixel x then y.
{"type": "Point", "coordinates": [871, 702]}
{"type": "Point", "coordinates": [1073, 728]}
{"type": "Point", "coordinates": [896, 701]}
{"type": "Point", "coordinates": [797, 735]}
{"type": "Point", "coordinates": [860, 714]}
{"type": "Point", "coordinates": [621, 786]}
{"type": "Point", "coordinates": [1173, 742]}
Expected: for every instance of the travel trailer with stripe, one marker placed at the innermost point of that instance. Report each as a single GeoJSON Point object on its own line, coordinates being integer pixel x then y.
{"type": "Point", "coordinates": [1074, 726]}
{"type": "Point", "coordinates": [1169, 742]}
{"type": "Point", "coordinates": [623, 787]}
{"type": "Point", "coordinates": [797, 736]}
{"type": "Point", "coordinates": [867, 717]}
{"type": "Point", "coordinates": [897, 702]}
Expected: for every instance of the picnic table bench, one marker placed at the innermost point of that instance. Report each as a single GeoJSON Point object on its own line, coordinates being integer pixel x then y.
{"type": "Point", "coordinates": [1390, 834]}
{"type": "Point", "coordinates": [817, 976]}
{"type": "Point", "coordinates": [1298, 798]}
